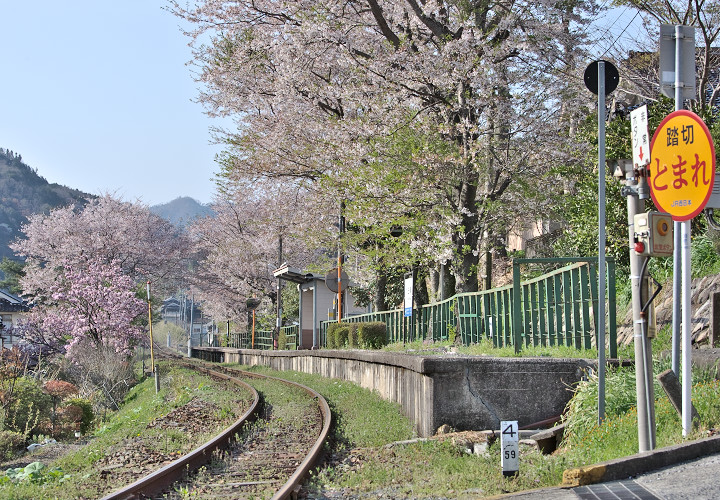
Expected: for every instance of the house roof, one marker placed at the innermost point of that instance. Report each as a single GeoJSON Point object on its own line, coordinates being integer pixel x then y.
{"type": "Point", "coordinates": [12, 303]}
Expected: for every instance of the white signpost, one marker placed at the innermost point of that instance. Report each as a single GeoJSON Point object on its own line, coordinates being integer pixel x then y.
{"type": "Point", "coordinates": [509, 447]}
{"type": "Point", "coordinates": [408, 294]}
{"type": "Point", "coordinates": [640, 136]}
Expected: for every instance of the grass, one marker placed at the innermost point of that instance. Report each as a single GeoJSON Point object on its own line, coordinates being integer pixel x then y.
{"type": "Point", "coordinates": [361, 418]}
{"type": "Point", "coordinates": [617, 436]}
{"type": "Point", "coordinates": [486, 348]}
{"type": "Point", "coordinates": [78, 474]}
{"type": "Point", "coordinates": [361, 465]}
{"type": "Point", "coordinates": [434, 469]}
{"type": "Point", "coordinates": [359, 462]}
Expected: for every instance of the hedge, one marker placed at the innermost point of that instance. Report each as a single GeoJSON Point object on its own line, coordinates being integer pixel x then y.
{"type": "Point", "coordinates": [371, 335]}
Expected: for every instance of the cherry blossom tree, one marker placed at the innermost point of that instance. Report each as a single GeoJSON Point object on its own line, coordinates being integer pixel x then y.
{"type": "Point", "coordinates": [89, 306]}
{"type": "Point", "coordinates": [238, 248]}
{"type": "Point", "coordinates": [108, 230]}
{"type": "Point", "coordinates": [442, 115]}
{"type": "Point", "coordinates": [643, 67]}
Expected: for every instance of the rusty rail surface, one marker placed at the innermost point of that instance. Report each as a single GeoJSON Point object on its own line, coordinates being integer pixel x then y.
{"type": "Point", "coordinates": [159, 480]}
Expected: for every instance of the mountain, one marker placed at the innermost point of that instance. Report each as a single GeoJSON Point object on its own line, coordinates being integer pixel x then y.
{"type": "Point", "coordinates": [182, 211]}
{"type": "Point", "coordinates": [23, 192]}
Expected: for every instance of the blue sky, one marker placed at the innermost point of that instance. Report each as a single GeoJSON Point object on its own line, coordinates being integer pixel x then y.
{"type": "Point", "coordinates": [96, 95]}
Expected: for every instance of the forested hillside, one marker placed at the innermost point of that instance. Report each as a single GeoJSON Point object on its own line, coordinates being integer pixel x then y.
{"type": "Point", "coordinates": [182, 211]}
{"type": "Point", "coordinates": [23, 192]}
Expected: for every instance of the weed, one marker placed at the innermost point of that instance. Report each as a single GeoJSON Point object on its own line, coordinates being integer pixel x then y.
{"type": "Point", "coordinates": [75, 475]}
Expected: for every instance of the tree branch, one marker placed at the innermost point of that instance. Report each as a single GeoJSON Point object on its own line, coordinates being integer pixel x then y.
{"type": "Point", "coordinates": [382, 23]}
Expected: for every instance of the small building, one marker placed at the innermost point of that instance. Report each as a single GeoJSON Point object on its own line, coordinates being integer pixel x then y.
{"type": "Point", "coordinates": [171, 310]}
{"type": "Point", "coordinates": [12, 308]}
{"type": "Point", "coordinates": [317, 303]}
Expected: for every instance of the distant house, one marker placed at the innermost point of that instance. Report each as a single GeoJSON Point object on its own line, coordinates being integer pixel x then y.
{"type": "Point", "coordinates": [171, 310]}
{"type": "Point", "coordinates": [12, 308]}
{"type": "Point", "coordinates": [184, 311]}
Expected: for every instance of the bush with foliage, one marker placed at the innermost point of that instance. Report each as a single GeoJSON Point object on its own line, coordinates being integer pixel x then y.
{"type": "Point", "coordinates": [10, 443]}
{"type": "Point", "coordinates": [337, 335]}
{"type": "Point", "coordinates": [581, 415]}
{"type": "Point", "coordinates": [282, 340]}
{"type": "Point", "coordinates": [58, 390]}
{"type": "Point", "coordinates": [76, 414]}
{"type": "Point", "coordinates": [31, 405]}
{"type": "Point", "coordinates": [372, 335]}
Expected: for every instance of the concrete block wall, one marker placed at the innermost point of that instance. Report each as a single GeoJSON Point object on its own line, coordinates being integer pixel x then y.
{"type": "Point", "coordinates": [465, 392]}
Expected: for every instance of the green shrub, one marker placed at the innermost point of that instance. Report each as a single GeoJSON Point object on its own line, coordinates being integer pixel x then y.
{"type": "Point", "coordinates": [353, 339]}
{"type": "Point", "coordinates": [78, 414]}
{"type": "Point", "coordinates": [282, 340]}
{"type": "Point", "coordinates": [330, 335]}
{"type": "Point", "coordinates": [337, 335]}
{"type": "Point", "coordinates": [341, 336]}
{"type": "Point", "coordinates": [368, 335]}
{"type": "Point", "coordinates": [10, 443]}
{"type": "Point", "coordinates": [372, 335]}
{"type": "Point", "coordinates": [581, 415]}
{"type": "Point", "coordinates": [30, 406]}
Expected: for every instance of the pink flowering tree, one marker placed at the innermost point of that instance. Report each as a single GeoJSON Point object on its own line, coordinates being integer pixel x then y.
{"type": "Point", "coordinates": [237, 248]}
{"type": "Point", "coordinates": [93, 306]}
{"type": "Point", "coordinates": [109, 230]}
{"type": "Point", "coordinates": [442, 117]}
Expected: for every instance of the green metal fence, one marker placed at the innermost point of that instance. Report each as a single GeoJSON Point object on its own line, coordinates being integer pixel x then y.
{"type": "Point", "coordinates": [560, 307]}
{"type": "Point", "coordinates": [557, 308]}
{"type": "Point", "coordinates": [264, 339]}
{"type": "Point", "coordinates": [291, 336]}
{"type": "Point", "coordinates": [239, 340]}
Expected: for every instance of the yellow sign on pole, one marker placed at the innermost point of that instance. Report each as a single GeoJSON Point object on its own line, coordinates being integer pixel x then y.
{"type": "Point", "coordinates": [682, 165]}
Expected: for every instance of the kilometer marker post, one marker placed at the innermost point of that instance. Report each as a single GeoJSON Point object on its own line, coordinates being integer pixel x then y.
{"type": "Point", "coordinates": [509, 447]}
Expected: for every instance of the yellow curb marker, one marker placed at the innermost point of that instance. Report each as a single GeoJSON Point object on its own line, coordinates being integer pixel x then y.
{"type": "Point", "coordinates": [583, 475]}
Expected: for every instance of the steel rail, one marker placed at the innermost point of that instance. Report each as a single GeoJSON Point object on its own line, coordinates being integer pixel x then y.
{"type": "Point", "coordinates": [301, 472]}
{"type": "Point", "coordinates": [159, 480]}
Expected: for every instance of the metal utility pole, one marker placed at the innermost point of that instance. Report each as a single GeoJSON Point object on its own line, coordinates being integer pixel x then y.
{"type": "Point", "coordinates": [341, 226]}
{"type": "Point", "coordinates": [153, 368]}
{"type": "Point", "coordinates": [636, 190]}
{"type": "Point", "coordinates": [278, 300]}
{"type": "Point", "coordinates": [192, 317]}
{"type": "Point", "coordinates": [152, 352]}
{"type": "Point", "coordinates": [601, 242]}
{"type": "Point", "coordinates": [601, 78]}
{"type": "Point", "coordinates": [677, 70]}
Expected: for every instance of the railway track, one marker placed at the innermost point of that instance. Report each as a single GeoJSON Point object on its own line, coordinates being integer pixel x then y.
{"type": "Point", "coordinates": [266, 453]}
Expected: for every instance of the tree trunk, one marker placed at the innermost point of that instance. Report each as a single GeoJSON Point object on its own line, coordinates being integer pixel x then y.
{"type": "Point", "coordinates": [380, 287]}
{"type": "Point", "coordinates": [466, 244]}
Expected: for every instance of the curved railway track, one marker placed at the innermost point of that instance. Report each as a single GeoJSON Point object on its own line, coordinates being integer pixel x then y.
{"type": "Point", "coordinates": [259, 455]}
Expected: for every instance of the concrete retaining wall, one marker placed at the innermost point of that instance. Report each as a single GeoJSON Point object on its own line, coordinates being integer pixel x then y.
{"type": "Point", "coordinates": [465, 392]}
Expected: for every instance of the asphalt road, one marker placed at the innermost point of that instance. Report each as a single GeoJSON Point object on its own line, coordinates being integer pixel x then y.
{"type": "Point", "coordinates": [697, 479]}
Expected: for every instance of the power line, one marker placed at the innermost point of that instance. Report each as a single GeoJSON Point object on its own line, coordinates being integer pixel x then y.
{"type": "Point", "coordinates": [621, 33]}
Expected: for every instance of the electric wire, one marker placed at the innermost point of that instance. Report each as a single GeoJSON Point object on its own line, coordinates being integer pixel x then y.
{"type": "Point", "coordinates": [621, 33]}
